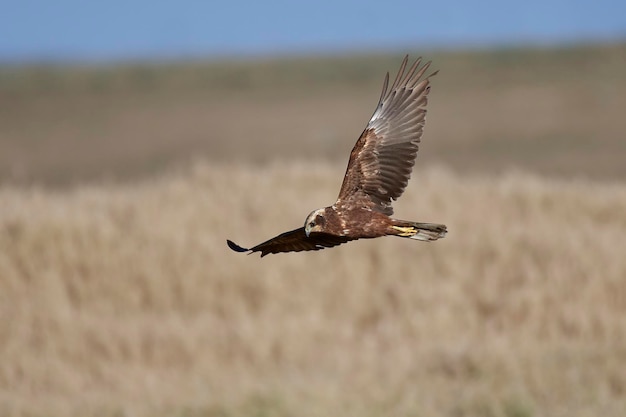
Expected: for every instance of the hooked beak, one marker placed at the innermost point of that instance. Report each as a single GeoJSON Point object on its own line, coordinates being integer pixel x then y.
{"type": "Point", "coordinates": [307, 231]}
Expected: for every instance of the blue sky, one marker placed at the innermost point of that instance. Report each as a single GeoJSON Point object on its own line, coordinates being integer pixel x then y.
{"type": "Point", "coordinates": [119, 30]}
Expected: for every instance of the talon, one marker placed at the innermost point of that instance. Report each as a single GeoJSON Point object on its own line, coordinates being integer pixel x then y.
{"type": "Point", "coordinates": [405, 231]}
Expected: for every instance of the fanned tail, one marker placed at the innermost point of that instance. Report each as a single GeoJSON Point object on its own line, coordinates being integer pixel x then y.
{"type": "Point", "coordinates": [426, 232]}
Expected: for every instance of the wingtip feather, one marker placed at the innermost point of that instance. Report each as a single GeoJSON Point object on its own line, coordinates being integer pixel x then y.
{"type": "Point", "coordinates": [235, 246]}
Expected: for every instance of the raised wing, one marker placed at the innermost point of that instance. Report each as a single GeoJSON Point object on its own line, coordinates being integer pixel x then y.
{"type": "Point", "coordinates": [293, 241]}
{"type": "Point", "coordinates": [382, 159]}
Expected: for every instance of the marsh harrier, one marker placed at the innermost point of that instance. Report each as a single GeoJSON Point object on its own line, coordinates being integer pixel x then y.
{"type": "Point", "coordinates": [378, 172]}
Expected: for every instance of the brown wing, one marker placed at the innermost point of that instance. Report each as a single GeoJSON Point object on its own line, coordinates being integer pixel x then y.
{"type": "Point", "coordinates": [293, 241]}
{"type": "Point", "coordinates": [382, 159]}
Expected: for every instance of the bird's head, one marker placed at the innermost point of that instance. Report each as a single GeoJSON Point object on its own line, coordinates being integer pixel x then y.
{"type": "Point", "coordinates": [314, 222]}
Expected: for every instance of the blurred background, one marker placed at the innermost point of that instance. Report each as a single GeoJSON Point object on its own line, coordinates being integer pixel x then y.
{"type": "Point", "coordinates": [136, 137]}
{"type": "Point", "coordinates": [117, 90]}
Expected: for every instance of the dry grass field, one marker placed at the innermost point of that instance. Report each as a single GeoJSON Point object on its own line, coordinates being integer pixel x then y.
{"type": "Point", "coordinates": [125, 300]}
{"type": "Point", "coordinates": [120, 298]}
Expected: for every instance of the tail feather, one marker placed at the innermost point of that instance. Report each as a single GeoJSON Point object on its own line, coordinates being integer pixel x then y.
{"type": "Point", "coordinates": [419, 231]}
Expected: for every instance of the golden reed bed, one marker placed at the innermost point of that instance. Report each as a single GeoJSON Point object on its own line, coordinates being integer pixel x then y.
{"type": "Point", "coordinates": [123, 300]}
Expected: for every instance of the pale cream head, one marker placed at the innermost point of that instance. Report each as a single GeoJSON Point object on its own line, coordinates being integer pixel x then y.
{"type": "Point", "coordinates": [314, 222]}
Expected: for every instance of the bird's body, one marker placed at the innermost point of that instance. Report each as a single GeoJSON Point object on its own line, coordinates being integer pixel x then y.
{"type": "Point", "coordinates": [348, 221]}
{"type": "Point", "coordinates": [378, 171]}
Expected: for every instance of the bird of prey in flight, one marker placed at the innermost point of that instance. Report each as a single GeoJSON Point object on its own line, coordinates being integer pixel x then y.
{"type": "Point", "coordinates": [378, 172]}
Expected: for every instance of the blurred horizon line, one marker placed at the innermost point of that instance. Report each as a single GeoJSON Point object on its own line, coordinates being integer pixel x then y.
{"type": "Point", "coordinates": [246, 54]}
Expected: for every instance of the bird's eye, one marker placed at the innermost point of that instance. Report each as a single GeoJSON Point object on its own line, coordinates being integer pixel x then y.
{"type": "Point", "coordinates": [311, 224]}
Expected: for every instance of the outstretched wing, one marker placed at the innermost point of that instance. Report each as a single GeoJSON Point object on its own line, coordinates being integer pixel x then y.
{"type": "Point", "coordinates": [382, 159]}
{"type": "Point", "coordinates": [293, 241]}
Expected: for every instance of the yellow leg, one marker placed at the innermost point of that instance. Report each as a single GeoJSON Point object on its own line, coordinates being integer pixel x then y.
{"type": "Point", "coordinates": [405, 231]}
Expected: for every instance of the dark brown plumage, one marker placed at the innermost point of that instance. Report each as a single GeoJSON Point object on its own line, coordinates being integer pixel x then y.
{"type": "Point", "coordinates": [378, 171]}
